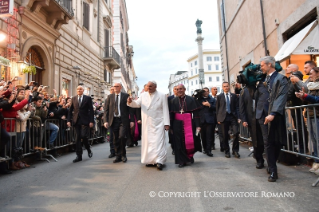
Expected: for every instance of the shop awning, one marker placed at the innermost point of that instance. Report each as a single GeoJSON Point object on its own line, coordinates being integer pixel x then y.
{"type": "Point", "coordinates": [310, 45]}
{"type": "Point", "coordinates": [291, 45]}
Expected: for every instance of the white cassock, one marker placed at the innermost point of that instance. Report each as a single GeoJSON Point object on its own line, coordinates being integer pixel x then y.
{"type": "Point", "coordinates": [155, 114]}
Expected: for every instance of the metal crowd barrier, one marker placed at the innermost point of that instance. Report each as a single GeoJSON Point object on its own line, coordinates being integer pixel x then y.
{"type": "Point", "coordinates": [300, 125]}
{"type": "Point", "coordinates": [33, 137]}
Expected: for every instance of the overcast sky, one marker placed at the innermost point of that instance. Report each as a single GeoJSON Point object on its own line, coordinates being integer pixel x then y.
{"type": "Point", "coordinates": [163, 35]}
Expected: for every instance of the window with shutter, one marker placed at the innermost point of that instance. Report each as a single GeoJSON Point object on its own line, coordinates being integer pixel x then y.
{"type": "Point", "coordinates": [86, 16]}
{"type": "Point", "coordinates": [106, 38]}
{"type": "Point", "coordinates": [105, 75]}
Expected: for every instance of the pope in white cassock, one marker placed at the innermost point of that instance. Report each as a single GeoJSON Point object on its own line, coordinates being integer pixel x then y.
{"type": "Point", "coordinates": [155, 120]}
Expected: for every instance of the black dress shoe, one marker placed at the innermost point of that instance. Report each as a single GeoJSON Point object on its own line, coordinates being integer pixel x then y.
{"type": "Point", "coordinates": [150, 165]}
{"type": "Point", "coordinates": [204, 152]}
{"type": "Point", "coordinates": [260, 165]}
{"type": "Point", "coordinates": [222, 149]}
{"type": "Point", "coordinates": [273, 177]}
{"type": "Point", "coordinates": [6, 171]}
{"type": "Point", "coordinates": [209, 154]}
{"type": "Point", "coordinates": [117, 160]}
{"type": "Point", "coordinates": [227, 155]}
{"type": "Point", "coordinates": [173, 153]}
{"type": "Point", "coordinates": [136, 144]}
{"type": "Point", "coordinates": [160, 166]}
{"type": "Point", "coordinates": [192, 160]}
{"type": "Point", "coordinates": [236, 154]}
{"type": "Point", "coordinates": [181, 165]}
{"type": "Point", "coordinates": [90, 153]}
{"type": "Point", "coordinates": [77, 159]}
{"type": "Point", "coordinates": [124, 159]}
{"type": "Point", "coordinates": [112, 155]}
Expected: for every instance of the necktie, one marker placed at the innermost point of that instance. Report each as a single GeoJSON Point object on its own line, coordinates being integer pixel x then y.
{"type": "Point", "coordinates": [227, 104]}
{"type": "Point", "coordinates": [117, 105]}
{"type": "Point", "coordinates": [80, 101]}
{"type": "Point", "coordinates": [267, 78]}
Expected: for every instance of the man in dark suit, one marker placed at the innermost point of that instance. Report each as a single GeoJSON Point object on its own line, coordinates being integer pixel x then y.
{"type": "Point", "coordinates": [116, 116]}
{"type": "Point", "coordinates": [247, 113]}
{"type": "Point", "coordinates": [271, 98]}
{"type": "Point", "coordinates": [207, 120]}
{"type": "Point", "coordinates": [83, 118]}
{"type": "Point", "coordinates": [227, 110]}
{"type": "Point", "coordinates": [220, 135]}
{"type": "Point", "coordinates": [170, 135]}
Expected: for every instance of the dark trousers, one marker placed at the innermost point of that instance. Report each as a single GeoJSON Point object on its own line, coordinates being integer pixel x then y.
{"type": "Point", "coordinates": [111, 140]}
{"type": "Point", "coordinates": [230, 122]}
{"type": "Point", "coordinates": [207, 134]}
{"type": "Point", "coordinates": [5, 138]}
{"type": "Point", "coordinates": [259, 144]}
{"type": "Point", "coordinates": [272, 148]}
{"type": "Point", "coordinates": [213, 134]}
{"type": "Point", "coordinates": [220, 136]}
{"type": "Point", "coordinates": [299, 125]}
{"type": "Point", "coordinates": [120, 132]}
{"type": "Point", "coordinates": [82, 132]}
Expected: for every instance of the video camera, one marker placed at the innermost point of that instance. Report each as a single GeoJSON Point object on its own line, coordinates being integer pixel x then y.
{"type": "Point", "coordinates": [252, 73]}
{"type": "Point", "coordinates": [198, 93]}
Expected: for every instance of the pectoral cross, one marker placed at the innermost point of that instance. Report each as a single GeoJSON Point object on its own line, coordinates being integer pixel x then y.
{"type": "Point", "coordinates": [181, 111]}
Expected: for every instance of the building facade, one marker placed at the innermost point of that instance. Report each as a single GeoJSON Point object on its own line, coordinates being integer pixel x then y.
{"type": "Point", "coordinates": [274, 27]}
{"type": "Point", "coordinates": [212, 71]}
{"type": "Point", "coordinates": [181, 77]}
{"type": "Point", "coordinates": [69, 43]}
{"type": "Point", "coordinates": [125, 74]}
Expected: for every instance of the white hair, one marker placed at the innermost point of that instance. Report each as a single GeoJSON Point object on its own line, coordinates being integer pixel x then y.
{"type": "Point", "coordinates": [154, 82]}
{"type": "Point", "coordinates": [269, 59]}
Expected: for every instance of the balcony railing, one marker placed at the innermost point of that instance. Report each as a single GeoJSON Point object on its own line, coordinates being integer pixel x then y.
{"type": "Point", "coordinates": [110, 52]}
{"type": "Point", "coordinates": [67, 5]}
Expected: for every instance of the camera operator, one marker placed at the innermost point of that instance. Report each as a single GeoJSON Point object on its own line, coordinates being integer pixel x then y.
{"type": "Point", "coordinates": [207, 119]}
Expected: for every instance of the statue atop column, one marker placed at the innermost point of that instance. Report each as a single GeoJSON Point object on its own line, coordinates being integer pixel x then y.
{"type": "Point", "coordinates": [198, 25]}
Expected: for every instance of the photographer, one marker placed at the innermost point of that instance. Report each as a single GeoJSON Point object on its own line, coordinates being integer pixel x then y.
{"type": "Point", "coordinates": [207, 120]}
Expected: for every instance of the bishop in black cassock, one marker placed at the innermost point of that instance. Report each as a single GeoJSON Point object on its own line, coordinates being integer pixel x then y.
{"type": "Point", "coordinates": [185, 123]}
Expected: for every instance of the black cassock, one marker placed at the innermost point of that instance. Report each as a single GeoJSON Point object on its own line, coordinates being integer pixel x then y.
{"type": "Point", "coordinates": [183, 106]}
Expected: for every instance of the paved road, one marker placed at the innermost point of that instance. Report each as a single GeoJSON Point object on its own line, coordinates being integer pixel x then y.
{"type": "Point", "coordinates": [97, 184]}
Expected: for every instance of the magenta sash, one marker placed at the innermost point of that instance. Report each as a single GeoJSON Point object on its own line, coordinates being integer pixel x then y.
{"type": "Point", "coordinates": [188, 132]}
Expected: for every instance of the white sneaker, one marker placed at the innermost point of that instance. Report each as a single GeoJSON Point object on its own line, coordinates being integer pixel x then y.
{"type": "Point", "coordinates": [315, 167]}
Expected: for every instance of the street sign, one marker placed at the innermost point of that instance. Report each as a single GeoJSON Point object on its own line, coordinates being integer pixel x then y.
{"type": "Point", "coordinates": [6, 8]}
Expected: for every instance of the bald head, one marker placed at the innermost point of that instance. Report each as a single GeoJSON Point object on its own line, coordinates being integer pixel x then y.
{"type": "Point", "coordinates": [214, 91]}
{"type": "Point", "coordinates": [79, 90]}
{"type": "Point", "coordinates": [291, 68]}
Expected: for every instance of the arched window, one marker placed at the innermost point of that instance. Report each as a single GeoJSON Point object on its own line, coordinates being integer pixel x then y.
{"type": "Point", "coordinates": [36, 58]}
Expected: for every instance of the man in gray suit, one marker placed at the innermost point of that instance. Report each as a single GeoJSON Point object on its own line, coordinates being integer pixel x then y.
{"type": "Point", "coordinates": [117, 116]}
{"type": "Point", "coordinates": [271, 97]}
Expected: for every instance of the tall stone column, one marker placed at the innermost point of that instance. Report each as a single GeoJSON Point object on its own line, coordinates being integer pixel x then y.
{"type": "Point", "coordinates": [199, 41]}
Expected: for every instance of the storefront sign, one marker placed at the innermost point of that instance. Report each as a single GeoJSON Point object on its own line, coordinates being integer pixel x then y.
{"type": "Point", "coordinates": [311, 49]}
{"type": "Point", "coordinates": [6, 8]}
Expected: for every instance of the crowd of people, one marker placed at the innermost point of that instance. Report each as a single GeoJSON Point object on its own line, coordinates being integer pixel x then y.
{"type": "Point", "coordinates": [259, 103]}
{"type": "Point", "coordinates": [31, 113]}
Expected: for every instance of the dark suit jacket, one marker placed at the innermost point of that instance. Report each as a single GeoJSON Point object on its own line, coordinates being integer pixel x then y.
{"type": "Point", "coordinates": [208, 114]}
{"type": "Point", "coordinates": [221, 106]}
{"type": "Point", "coordinates": [125, 110]}
{"type": "Point", "coordinates": [81, 115]}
